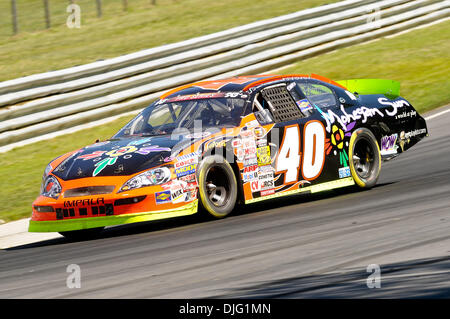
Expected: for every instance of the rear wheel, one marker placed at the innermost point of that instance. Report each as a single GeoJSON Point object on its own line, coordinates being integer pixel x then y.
{"type": "Point", "coordinates": [217, 186]}
{"type": "Point", "coordinates": [365, 158]}
{"type": "Point", "coordinates": [84, 234]}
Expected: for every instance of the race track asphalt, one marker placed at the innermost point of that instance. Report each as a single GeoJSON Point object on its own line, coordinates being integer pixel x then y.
{"type": "Point", "coordinates": [315, 246]}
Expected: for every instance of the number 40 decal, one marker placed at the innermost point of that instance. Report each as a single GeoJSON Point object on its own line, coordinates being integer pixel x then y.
{"type": "Point", "coordinates": [289, 157]}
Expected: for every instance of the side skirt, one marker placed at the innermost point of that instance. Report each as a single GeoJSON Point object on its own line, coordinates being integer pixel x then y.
{"type": "Point", "coordinates": [348, 181]}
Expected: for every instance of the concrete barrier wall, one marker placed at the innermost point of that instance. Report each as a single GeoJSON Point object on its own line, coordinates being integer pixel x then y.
{"type": "Point", "coordinates": [80, 95]}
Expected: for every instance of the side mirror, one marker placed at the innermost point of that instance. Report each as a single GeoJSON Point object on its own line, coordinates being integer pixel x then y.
{"type": "Point", "coordinates": [348, 100]}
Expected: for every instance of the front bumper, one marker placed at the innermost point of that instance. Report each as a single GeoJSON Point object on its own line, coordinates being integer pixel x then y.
{"type": "Point", "coordinates": [102, 221]}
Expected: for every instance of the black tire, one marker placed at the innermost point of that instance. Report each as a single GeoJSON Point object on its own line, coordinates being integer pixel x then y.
{"type": "Point", "coordinates": [217, 185]}
{"type": "Point", "coordinates": [365, 158]}
{"type": "Point", "coordinates": [85, 234]}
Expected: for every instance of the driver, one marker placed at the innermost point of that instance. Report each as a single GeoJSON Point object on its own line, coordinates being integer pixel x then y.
{"type": "Point", "coordinates": [207, 118]}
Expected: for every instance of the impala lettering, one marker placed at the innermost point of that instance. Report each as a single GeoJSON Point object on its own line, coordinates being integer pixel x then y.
{"type": "Point", "coordinates": [84, 202]}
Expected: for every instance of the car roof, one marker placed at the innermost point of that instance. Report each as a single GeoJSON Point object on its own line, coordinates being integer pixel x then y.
{"type": "Point", "coordinates": [236, 84]}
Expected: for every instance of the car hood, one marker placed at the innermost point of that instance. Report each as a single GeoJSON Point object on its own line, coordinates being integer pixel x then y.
{"type": "Point", "coordinates": [121, 156]}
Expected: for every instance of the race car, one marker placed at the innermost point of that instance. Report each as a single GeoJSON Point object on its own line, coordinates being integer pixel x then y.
{"type": "Point", "coordinates": [211, 145]}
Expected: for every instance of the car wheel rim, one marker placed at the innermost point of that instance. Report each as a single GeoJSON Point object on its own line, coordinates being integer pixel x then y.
{"type": "Point", "coordinates": [363, 158]}
{"type": "Point", "coordinates": [217, 186]}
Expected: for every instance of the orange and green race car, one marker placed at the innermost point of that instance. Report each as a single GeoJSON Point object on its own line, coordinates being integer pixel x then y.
{"type": "Point", "coordinates": [210, 145]}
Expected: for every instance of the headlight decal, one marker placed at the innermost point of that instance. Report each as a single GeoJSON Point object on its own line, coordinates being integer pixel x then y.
{"type": "Point", "coordinates": [156, 176]}
{"type": "Point", "coordinates": [51, 187]}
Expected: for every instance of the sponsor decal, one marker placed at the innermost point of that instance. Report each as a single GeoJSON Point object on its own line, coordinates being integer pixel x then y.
{"type": "Point", "coordinates": [232, 94]}
{"type": "Point", "coordinates": [388, 144]}
{"type": "Point", "coordinates": [266, 180]}
{"type": "Point", "coordinates": [263, 155]}
{"type": "Point", "coordinates": [177, 194]}
{"type": "Point", "coordinates": [250, 161]}
{"type": "Point", "coordinates": [248, 143]}
{"type": "Point", "coordinates": [250, 153]}
{"type": "Point", "coordinates": [266, 168]}
{"type": "Point", "coordinates": [246, 134]}
{"type": "Point", "coordinates": [304, 105]}
{"type": "Point", "coordinates": [249, 148]}
{"type": "Point", "coordinates": [259, 132]}
{"type": "Point", "coordinates": [261, 142]}
{"type": "Point", "coordinates": [196, 97]}
{"type": "Point", "coordinates": [84, 202]}
{"type": "Point", "coordinates": [236, 143]}
{"type": "Point", "coordinates": [240, 154]}
{"type": "Point", "coordinates": [198, 135]}
{"type": "Point", "coordinates": [191, 195]}
{"type": "Point", "coordinates": [362, 112]}
{"type": "Point", "coordinates": [249, 176]}
{"type": "Point", "coordinates": [186, 162]}
{"type": "Point", "coordinates": [250, 173]}
{"type": "Point", "coordinates": [185, 183]}
{"type": "Point", "coordinates": [190, 186]}
{"type": "Point", "coordinates": [185, 170]}
{"type": "Point", "coordinates": [344, 172]}
{"type": "Point", "coordinates": [268, 192]}
{"type": "Point", "coordinates": [191, 179]}
{"type": "Point", "coordinates": [415, 133]}
{"type": "Point", "coordinates": [249, 169]}
{"type": "Point", "coordinates": [395, 105]}
{"type": "Point", "coordinates": [216, 144]}
{"type": "Point", "coordinates": [254, 186]}
{"type": "Point", "coordinates": [405, 138]}
{"type": "Point", "coordinates": [406, 115]}
{"type": "Point", "coordinates": [188, 156]}
{"type": "Point", "coordinates": [251, 124]}
{"type": "Point", "coordinates": [162, 197]}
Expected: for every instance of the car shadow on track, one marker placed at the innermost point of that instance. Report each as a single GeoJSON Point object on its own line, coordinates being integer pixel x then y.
{"type": "Point", "coordinates": [420, 278]}
{"type": "Point", "coordinates": [153, 226]}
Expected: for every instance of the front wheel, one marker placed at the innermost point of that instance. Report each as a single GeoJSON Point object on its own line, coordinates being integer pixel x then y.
{"type": "Point", "coordinates": [365, 158]}
{"type": "Point", "coordinates": [217, 186]}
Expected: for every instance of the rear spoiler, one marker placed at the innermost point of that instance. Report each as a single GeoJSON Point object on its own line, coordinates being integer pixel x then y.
{"type": "Point", "coordinates": [389, 88]}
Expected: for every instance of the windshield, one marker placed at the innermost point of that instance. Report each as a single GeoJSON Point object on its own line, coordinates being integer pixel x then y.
{"type": "Point", "coordinates": [166, 116]}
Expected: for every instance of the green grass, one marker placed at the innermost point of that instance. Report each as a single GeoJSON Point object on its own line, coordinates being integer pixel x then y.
{"type": "Point", "coordinates": [35, 49]}
{"type": "Point", "coordinates": [419, 60]}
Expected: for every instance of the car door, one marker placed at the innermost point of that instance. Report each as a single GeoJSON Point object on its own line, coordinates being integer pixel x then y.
{"type": "Point", "coordinates": [301, 150]}
{"type": "Point", "coordinates": [322, 98]}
